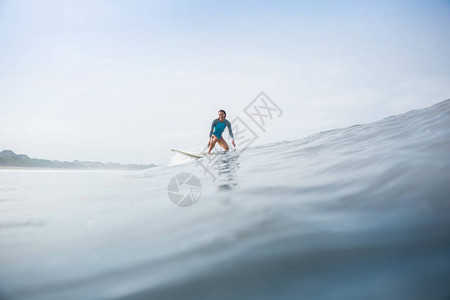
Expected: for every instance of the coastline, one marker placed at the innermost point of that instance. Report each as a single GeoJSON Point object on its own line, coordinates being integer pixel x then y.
{"type": "Point", "coordinates": [12, 168]}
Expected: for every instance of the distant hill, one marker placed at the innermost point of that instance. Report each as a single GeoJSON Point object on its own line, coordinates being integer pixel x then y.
{"type": "Point", "coordinates": [10, 159]}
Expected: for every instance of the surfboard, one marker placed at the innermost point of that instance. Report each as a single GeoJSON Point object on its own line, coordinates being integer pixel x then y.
{"type": "Point", "coordinates": [188, 154]}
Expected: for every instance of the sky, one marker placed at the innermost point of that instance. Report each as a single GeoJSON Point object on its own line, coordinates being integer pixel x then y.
{"type": "Point", "coordinates": [125, 81]}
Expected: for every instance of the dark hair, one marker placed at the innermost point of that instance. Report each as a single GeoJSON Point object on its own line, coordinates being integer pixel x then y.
{"type": "Point", "coordinates": [223, 112]}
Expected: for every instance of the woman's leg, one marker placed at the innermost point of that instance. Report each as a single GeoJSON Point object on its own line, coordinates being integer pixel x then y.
{"type": "Point", "coordinates": [212, 143]}
{"type": "Point", "coordinates": [223, 143]}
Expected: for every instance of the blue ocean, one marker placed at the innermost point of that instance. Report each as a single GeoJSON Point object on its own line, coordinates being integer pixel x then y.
{"type": "Point", "coordinates": [355, 213]}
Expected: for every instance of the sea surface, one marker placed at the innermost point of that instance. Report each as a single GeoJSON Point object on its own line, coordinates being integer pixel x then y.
{"type": "Point", "coordinates": [356, 213]}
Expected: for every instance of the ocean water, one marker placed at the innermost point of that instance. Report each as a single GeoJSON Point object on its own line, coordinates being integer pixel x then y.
{"type": "Point", "coordinates": [356, 213]}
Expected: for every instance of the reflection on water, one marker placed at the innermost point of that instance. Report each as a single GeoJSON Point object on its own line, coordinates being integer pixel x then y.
{"type": "Point", "coordinates": [226, 167]}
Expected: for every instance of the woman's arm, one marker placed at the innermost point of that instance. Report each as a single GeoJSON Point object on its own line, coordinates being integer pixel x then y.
{"type": "Point", "coordinates": [230, 131]}
{"type": "Point", "coordinates": [214, 122]}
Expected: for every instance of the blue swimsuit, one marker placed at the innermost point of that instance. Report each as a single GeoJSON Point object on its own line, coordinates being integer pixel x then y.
{"type": "Point", "coordinates": [219, 127]}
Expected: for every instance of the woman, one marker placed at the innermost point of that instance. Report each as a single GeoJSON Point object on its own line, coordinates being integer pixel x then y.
{"type": "Point", "coordinates": [218, 126]}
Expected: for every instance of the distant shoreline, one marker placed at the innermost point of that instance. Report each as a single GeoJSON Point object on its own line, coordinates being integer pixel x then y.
{"type": "Point", "coordinates": [12, 161]}
{"type": "Point", "coordinates": [65, 169]}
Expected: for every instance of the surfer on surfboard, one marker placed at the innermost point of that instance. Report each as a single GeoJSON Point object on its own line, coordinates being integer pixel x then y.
{"type": "Point", "coordinates": [217, 127]}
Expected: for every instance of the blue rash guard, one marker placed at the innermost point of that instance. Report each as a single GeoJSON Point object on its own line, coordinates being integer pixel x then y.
{"type": "Point", "coordinates": [219, 127]}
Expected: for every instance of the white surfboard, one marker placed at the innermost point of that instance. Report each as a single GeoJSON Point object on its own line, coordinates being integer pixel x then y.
{"type": "Point", "coordinates": [188, 154]}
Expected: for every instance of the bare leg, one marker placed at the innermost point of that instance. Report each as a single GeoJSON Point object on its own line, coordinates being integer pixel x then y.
{"type": "Point", "coordinates": [223, 143]}
{"type": "Point", "coordinates": [212, 143]}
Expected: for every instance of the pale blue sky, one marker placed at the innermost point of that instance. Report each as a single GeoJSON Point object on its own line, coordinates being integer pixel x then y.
{"type": "Point", "coordinates": [125, 81]}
